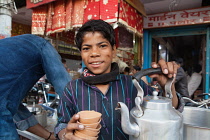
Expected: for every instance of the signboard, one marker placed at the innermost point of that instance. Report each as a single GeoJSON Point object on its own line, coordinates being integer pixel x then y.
{"type": "Point", "coordinates": [178, 18]}
{"type": "Point", "coordinates": [35, 3]}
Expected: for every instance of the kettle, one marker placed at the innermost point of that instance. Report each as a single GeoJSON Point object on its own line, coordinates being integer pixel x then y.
{"type": "Point", "coordinates": [153, 117]}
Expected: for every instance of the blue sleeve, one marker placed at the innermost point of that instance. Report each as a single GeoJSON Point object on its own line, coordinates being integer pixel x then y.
{"type": "Point", "coordinates": [24, 119]}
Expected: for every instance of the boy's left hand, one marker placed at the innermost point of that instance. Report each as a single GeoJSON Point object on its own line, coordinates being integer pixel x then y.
{"type": "Point", "coordinates": [169, 70]}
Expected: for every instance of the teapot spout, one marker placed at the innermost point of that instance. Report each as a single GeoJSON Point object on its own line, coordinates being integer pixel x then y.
{"type": "Point", "coordinates": [127, 126]}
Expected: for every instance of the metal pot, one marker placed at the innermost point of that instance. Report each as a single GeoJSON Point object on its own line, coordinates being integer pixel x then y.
{"type": "Point", "coordinates": [42, 118]}
{"type": "Point", "coordinates": [40, 114]}
{"type": "Point", "coordinates": [153, 118]}
{"type": "Point", "coordinates": [196, 123]}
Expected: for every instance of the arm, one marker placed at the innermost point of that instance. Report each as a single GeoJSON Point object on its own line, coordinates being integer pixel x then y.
{"type": "Point", "coordinates": [42, 132]}
{"type": "Point", "coordinates": [169, 71]}
{"type": "Point", "coordinates": [67, 121]}
{"type": "Point", "coordinates": [175, 101]}
{"type": "Point", "coordinates": [54, 69]}
{"type": "Point", "coordinates": [25, 120]}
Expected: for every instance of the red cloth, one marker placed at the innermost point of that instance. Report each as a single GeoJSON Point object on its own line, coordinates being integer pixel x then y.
{"type": "Point", "coordinates": [69, 10]}
{"type": "Point", "coordinates": [58, 20]}
{"type": "Point", "coordinates": [39, 16]}
{"type": "Point", "coordinates": [113, 11]}
{"type": "Point", "coordinates": [101, 9]}
{"type": "Point", "coordinates": [49, 19]}
{"type": "Point", "coordinates": [92, 10]}
{"type": "Point", "coordinates": [78, 13]}
{"type": "Point", "coordinates": [131, 18]}
{"type": "Point", "coordinates": [109, 10]}
{"type": "Point", "coordinates": [69, 14]}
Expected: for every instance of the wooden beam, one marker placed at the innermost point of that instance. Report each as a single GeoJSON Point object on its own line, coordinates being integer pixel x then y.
{"type": "Point", "coordinates": [137, 5]}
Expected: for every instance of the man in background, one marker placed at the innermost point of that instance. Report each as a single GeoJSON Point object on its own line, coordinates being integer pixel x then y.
{"type": "Point", "coordinates": [195, 79]}
{"type": "Point", "coordinates": [122, 65]}
{"type": "Point", "coordinates": [181, 79]}
{"type": "Point", "coordinates": [80, 68]}
{"type": "Point", "coordinates": [65, 65]}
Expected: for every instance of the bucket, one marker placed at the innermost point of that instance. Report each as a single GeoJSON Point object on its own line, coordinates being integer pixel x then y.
{"type": "Point", "coordinates": [42, 118]}
{"type": "Point", "coordinates": [41, 115]}
{"type": "Point", "coordinates": [196, 123]}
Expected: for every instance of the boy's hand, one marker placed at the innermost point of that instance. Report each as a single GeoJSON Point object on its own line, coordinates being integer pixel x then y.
{"type": "Point", "coordinates": [169, 70]}
{"type": "Point", "coordinates": [71, 127]}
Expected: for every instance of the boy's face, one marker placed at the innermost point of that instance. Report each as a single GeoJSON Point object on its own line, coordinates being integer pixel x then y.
{"type": "Point", "coordinates": [97, 53]}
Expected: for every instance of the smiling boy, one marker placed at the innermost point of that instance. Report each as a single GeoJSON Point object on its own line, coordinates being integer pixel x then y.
{"type": "Point", "coordinates": [101, 86]}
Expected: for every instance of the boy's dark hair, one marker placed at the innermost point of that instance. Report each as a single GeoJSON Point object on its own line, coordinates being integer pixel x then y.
{"type": "Point", "coordinates": [95, 26]}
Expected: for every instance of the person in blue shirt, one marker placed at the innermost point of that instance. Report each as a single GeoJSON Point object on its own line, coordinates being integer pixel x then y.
{"type": "Point", "coordinates": [24, 59]}
{"type": "Point", "coordinates": [102, 86]}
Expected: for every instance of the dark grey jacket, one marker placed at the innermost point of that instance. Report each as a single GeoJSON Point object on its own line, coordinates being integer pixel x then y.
{"type": "Point", "coordinates": [181, 82]}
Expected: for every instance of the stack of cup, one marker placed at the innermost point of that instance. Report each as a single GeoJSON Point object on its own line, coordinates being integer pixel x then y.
{"type": "Point", "coordinates": [91, 120]}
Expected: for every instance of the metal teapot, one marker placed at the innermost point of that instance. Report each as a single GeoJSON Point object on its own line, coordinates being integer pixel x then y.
{"type": "Point", "coordinates": [153, 117]}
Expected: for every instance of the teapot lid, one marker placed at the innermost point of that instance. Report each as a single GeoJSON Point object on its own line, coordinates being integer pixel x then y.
{"type": "Point", "coordinates": [157, 102]}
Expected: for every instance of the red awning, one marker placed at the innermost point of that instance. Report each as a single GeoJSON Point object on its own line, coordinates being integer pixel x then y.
{"type": "Point", "coordinates": [64, 15]}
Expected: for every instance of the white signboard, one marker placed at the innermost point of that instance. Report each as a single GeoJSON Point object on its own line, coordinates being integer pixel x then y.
{"type": "Point", "coordinates": [178, 18]}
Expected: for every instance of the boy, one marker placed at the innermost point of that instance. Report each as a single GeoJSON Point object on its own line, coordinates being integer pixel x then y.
{"type": "Point", "coordinates": [101, 86]}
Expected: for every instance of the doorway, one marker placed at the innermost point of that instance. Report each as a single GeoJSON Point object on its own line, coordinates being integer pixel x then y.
{"type": "Point", "coordinates": [187, 48]}
{"type": "Point", "coordinates": [188, 42]}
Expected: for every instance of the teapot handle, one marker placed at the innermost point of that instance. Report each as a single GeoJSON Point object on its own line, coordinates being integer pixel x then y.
{"type": "Point", "coordinates": [150, 71]}
{"type": "Point", "coordinates": [145, 72]}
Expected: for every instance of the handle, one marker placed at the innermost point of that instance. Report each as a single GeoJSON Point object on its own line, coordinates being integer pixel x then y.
{"type": "Point", "coordinates": [139, 75]}
{"type": "Point", "coordinates": [150, 71]}
{"type": "Point", "coordinates": [145, 72]}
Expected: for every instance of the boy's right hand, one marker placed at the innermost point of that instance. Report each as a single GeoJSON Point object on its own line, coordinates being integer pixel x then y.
{"type": "Point", "coordinates": [71, 127]}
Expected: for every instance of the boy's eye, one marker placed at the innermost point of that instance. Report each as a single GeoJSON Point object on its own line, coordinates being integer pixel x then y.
{"type": "Point", "coordinates": [102, 46]}
{"type": "Point", "coordinates": [85, 48]}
